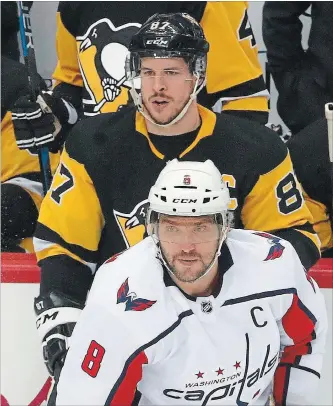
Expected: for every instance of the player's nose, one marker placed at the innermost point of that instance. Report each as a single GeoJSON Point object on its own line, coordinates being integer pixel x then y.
{"type": "Point", "coordinates": [159, 83]}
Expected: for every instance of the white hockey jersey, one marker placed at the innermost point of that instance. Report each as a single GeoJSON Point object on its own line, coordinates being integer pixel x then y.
{"type": "Point", "coordinates": [141, 341]}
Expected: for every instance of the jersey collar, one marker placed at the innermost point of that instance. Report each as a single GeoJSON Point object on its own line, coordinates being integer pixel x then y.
{"type": "Point", "coordinates": [208, 121]}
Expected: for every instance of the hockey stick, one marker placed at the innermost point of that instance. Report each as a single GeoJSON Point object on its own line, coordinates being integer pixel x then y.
{"type": "Point", "coordinates": [329, 118]}
{"type": "Point", "coordinates": [30, 62]}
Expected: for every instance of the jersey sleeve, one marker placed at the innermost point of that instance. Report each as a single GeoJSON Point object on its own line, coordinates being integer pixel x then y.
{"type": "Point", "coordinates": [104, 363]}
{"type": "Point", "coordinates": [234, 74]}
{"type": "Point", "coordinates": [67, 74]}
{"type": "Point", "coordinates": [321, 222]}
{"type": "Point", "coordinates": [276, 204]}
{"type": "Point", "coordinates": [69, 226]}
{"type": "Point", "coordinates": [303, 330]}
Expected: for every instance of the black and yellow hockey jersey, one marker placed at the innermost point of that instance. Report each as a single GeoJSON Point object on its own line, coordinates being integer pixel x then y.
{"type": "Point", "coordinates": [92, 40]}
{"type": "Point", "coordinates": [97, 203]}
{"type": "Point", "coordinates": [309, 153]}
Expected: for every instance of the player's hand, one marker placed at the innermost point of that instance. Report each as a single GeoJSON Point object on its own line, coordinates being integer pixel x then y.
{"type": "Point", "coordinates": [56, 319]}
{"type": "Point", "coordinates": [55, 345]}
{"type": "Point", "coordinates": [39, 123]}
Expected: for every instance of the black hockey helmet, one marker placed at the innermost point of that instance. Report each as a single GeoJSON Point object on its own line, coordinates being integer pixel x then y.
{"type": "Point", "coordinates": [167, 36]}
{"type": "Point", "coordinates": [170, 32]}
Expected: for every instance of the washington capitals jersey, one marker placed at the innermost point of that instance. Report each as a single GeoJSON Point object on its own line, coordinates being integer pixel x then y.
{"type": "Point", "coordinates": [141, 340]}
{"type": "Point", "coordinates": [97, 203]}
{"type": "Point", "coordinates": [92, 41]}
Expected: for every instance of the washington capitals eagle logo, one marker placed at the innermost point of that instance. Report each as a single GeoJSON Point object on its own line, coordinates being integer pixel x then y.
{"type": "Point", "coordinates": [133, 302]}
{"type": "Point", "coordinates": [276, 250]}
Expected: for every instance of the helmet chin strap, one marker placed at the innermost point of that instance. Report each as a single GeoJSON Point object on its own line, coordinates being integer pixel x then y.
{"type": "Point", "coordinates": [138, 102]}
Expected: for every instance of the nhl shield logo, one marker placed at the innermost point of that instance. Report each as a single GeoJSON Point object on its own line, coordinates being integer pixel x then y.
{"type": "Point", "coordinates": [206, 307]}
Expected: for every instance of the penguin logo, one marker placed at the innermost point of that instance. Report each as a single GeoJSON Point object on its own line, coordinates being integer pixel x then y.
{"type": "Point", "coordinates": [106, 83]}
{"type": "Point", "coordinates": [133, 225]}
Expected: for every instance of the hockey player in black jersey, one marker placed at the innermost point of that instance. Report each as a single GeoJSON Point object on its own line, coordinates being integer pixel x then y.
{"type": "Point", "coordinates": [92, 41]}
{"type": "Point", "coordinates": [97, 203]}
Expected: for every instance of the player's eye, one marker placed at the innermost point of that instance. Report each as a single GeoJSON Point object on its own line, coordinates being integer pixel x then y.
{"type": "Point", "coordinates": [171, 229]}
{"type": "Point", "coordinates": [171, 72]}
{"type": "Point", "coordinates": [200, 229]}
{"type": "Point", "coordinates": [147, 73]}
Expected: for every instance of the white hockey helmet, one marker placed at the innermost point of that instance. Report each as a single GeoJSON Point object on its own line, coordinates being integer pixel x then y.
{"type": "Point", "coordinates": [186, 188]}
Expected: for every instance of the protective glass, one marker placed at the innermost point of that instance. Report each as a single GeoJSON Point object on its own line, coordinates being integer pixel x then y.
{"type": "Point", "coordinates": [197, 230]}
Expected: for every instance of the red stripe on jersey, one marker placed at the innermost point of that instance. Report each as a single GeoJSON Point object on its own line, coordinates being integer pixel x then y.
{"type": "Point", "coordinates": [299, 324]}
{"type": "Point", "coordinates": [126, 390]}
{"type": "Point", "coordinates": [281, 379]}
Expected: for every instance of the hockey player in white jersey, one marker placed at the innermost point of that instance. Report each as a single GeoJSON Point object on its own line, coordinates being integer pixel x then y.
{"type": "Point", "coordinates": [197, 314]}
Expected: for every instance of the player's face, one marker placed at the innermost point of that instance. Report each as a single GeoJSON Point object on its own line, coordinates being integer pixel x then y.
{"type": "Point", "coordinates": [166, 85]}
{"type": "Point", "coordinates": [188, 244]}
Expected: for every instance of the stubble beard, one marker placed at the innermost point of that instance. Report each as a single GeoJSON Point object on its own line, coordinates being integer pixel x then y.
{"type": "Point", "coordinates": [185, 275]}
{"type": "Point", "coordinates": [169, 119]}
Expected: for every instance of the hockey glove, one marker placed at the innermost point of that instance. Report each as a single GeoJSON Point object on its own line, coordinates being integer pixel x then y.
{"type": "Point", "coordinates": [43, 122]}
{"type": "Point", "coordinates": [56, 319]}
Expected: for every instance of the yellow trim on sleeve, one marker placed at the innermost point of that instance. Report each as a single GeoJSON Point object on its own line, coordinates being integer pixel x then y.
{"type": "Point", "coordinates": [255, 103]}
{"type": "Point", "coordinates": [54, 250]}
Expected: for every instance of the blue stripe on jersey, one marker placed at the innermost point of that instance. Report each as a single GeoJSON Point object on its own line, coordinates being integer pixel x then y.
{"type": "Point", "coordinates": [312, 371]}
{"type": "Point", "coordinates": [262, 295]}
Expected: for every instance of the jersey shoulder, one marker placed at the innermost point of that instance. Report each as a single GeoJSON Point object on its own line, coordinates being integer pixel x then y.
{"type": "Point", "coordinates": [252, 140]}
{"type": "Point", "coordinates": [70, 14]}
{"type": "Point", "coordinates": [309, 146]}
{"type": "Point", "coordinates": [94, 138]}
{"type": "Point", "coordinates": [133, 270]}
{"type": "Point", "coordinates": [131, 287]}
{"type": "Point", "coordinates": [263, 259]}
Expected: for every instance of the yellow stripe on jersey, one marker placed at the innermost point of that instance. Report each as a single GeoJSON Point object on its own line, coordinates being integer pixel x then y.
{"type": "Point", "coordinates": [208, 121]}
{"type": "Point", "coordinates": [67, 69]}
{"type": "Point", "coordinates": [230, 51]}
{"type": "Point", "coordinates": [255, 103]}
{"type": "Point", "coordinates": [72, 200]}
{"type": "Point", "coordinates": [56, 249]}
{"type": "Point", "coordinates": [14, 161]}
{"type": "Point", "coordinates": [272, 208]}
{"type": "Point", "coordinates": [321, 222]}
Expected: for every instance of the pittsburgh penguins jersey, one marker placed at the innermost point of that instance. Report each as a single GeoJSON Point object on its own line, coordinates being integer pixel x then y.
{"type": "Point", "coordinates": [92, 41]}
{"type": "Point", "coordinates": [97, 203]}
{"type": "Point", "coordinates": [141, 340]}
{"type": "Point", "coordinates": [309, 153]}
{"type": "Point", "coordinates": [17, 166]}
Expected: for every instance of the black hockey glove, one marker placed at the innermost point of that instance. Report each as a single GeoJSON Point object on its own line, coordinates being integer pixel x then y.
{"type": "Point", "coordinates": [44, 122]}
{"type": "Point", "coordinates": [56, 319]}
